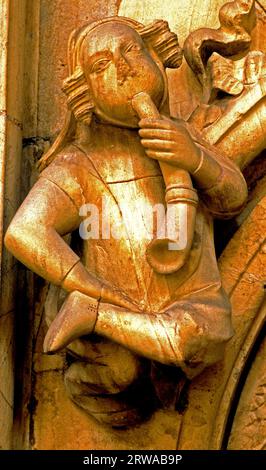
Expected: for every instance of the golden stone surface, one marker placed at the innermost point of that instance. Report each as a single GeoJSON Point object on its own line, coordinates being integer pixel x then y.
{"type": "Point", "coordinates": [131, 285]}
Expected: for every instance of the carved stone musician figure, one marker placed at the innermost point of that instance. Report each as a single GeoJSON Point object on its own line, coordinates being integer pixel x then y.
{"type": "Point", "coordinates": [120, 145]}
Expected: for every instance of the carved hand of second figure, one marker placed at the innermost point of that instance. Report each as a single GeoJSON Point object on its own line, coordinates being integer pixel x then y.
{"type": "Point", "coordinates": [169, 141]}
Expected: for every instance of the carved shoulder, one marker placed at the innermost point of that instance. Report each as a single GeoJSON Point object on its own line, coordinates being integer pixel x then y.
{"type": "Point", "coordinates": [72, 172]}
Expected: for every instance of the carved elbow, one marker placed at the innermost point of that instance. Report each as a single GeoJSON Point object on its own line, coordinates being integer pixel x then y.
{"type": "Point", "coordinates": [240, 195]}
{"type": "Point", "coordinates": [16, 240]}
{"type": "Point", "coordinates": [230, 204]}
{"type": "Point", "coordinates": [200, 352]}
{"type": "Point", "coordinates": [198, 347]}
{"type": "Point", "coordinates": [12, 237]}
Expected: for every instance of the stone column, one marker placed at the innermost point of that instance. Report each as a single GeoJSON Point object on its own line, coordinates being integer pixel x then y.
{"type": "Point", "coordinates": [12, 24]}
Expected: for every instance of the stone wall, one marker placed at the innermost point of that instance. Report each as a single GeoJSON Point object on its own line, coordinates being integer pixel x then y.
{"type": "Point", "coordinates": [33, 62]}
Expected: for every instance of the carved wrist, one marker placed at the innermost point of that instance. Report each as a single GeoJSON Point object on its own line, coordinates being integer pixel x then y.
{"type": "Point", "coordinates": [78, 278]}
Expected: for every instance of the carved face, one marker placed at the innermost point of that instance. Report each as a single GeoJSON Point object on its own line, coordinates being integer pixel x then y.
{"type": "Point", "coordinates": [117, 66]}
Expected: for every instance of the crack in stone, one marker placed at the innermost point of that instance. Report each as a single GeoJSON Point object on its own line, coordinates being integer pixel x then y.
{"type": "Point", "coordinates": [5, 399]}
{"type": "Point", "coordinates": [7, 313]}
{"type": "Point", "coordinates": [12, 119]}
{"type": "Point", "coordinates": [260, 4]}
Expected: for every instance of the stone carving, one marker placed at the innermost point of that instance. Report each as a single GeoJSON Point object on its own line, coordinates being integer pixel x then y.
{"type": "Point", "coordinates": [142, 304]}
{"type": "Point", "coordinates": [249, 425]}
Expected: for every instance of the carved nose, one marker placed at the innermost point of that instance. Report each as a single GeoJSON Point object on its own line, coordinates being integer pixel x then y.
{"type": "Point", "coordinates": [123, 70]}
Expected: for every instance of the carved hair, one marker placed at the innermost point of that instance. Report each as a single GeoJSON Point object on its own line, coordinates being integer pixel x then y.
{"type": "Point", "coordinates": [78, 95]}
{"type": "Point", "coordinates": [164, 42]}
{"type": "Point", "coordinates": [79, 100]}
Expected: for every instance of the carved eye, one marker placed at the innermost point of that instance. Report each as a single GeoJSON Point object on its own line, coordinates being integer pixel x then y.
{"type": "Point", "coordinates": [132, 47]}
{"type": "Point", "coordinates": [100, 65]}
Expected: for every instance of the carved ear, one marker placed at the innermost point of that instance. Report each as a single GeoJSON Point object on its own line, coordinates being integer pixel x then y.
{"type": "Point", "coordinates": [164, 42]}
{"type": "Point", "coordinates": [78, 95]}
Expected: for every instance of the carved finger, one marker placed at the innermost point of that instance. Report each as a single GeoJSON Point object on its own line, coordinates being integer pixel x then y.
{"type": "Point", "coordinates": [163, 134]}
{"type": "Point", "coordinates": [156, 124]}
{"type": "Point", "coordinates": [160, 145]}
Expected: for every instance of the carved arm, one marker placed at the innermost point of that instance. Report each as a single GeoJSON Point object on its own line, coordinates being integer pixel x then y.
{"type": "Point", "coordinates": [190, 334]}
{"type": "Point", "coordinates": [35, 238]}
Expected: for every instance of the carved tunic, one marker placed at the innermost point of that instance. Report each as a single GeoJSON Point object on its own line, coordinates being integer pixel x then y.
{"type": "Point", "coordinates": [87, 174]}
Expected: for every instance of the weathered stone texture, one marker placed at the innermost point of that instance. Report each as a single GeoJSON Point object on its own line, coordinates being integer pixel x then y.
{"type": "Point", "coordinates": [53, 421]}
{"type": "Point", "coordinates": [249, 428]}
{"type": "Point", "coordinates": [12, 19]}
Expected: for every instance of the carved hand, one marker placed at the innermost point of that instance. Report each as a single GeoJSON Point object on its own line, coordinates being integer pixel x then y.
{"type": "Point", "coordinates": [170, 142]}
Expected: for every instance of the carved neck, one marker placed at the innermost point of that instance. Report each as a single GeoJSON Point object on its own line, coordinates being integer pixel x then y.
{"type": "Point", "coordinates": [104, 137]}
